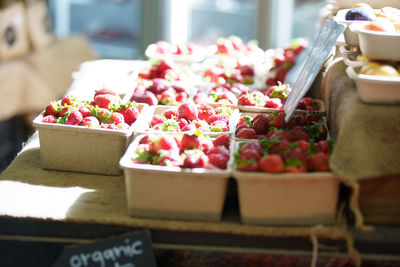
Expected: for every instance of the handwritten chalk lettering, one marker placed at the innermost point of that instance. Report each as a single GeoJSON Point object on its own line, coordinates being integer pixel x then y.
{"type": "Point", "coordinates": [111, 254]}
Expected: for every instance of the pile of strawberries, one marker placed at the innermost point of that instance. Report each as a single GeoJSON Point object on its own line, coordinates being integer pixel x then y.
{"type": "Point", "coordinates": [305, 126]}
{"type": "Point", "coordinates": [299, 145]}
{"type": "Point", "coordinates": [187, 151]}
{"type": "Point", "coordinates": [281, 155]}
{"type": "Point", "coordinates": [160, 92]}
{"type": "Point", "coordinates": [105, 111]}
{"type": "Point", "coordinates": [164, 68]}
{"type": "Point", "coordinates": [192, 117]}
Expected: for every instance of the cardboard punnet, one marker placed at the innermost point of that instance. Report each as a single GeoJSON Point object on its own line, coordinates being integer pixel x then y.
{"type": "Point", "coordinates": [82, 149]}
{"type": "Point", "coordinates": [286, 198]}
{"type": "Point", "coordinates": [171, 192]}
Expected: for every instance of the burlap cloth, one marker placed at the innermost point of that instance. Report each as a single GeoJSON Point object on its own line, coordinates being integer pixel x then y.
{"type": "Point", "coordinates": [367, 135]}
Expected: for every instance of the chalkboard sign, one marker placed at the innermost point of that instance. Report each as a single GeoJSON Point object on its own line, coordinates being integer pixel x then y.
{"type": "Point", "coordinates": [131, 250]}
{"type": "Point", "coordinates": [320, 49]}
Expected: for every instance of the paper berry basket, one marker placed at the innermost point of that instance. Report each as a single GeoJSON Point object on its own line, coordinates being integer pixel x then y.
{"type": "Point", "coordinates": [83, 149]}
{"type": "Point", "coordinates": [286, 198]}
{"type": "Point", "coordinates": [172, 192]}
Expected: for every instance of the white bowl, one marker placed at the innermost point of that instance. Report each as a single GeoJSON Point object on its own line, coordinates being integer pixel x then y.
{"type": "Point", "coordinates": [351, 38]}
{"type": "Point", "coordinates": [376, 89]}
{"type": "Point", "coordinates": [378, 45]}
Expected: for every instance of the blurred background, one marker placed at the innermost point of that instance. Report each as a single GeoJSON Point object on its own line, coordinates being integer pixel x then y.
{"type": "Point", "coordinates": [38, 53]}
{"type": "Point", "coordinates": [123, 28]}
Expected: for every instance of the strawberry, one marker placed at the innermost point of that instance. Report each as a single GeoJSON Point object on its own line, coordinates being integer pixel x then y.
{"type": "Point", "coordinates": [85, 111]}
{"type": "Point", "coordinates": [249, 167]}
{"type": "Point", "coordinates": [205, 144]}
{"type": "Point", "coordinates": [188, 111]}
{"type": "Point", "coordinates": [318, 162]}
{"type": "Point", "coordinates": [205, 111]}
{"type": "Point", "coordinates": [261, 125]}
{"type": "Point", "coordinates": [312, 117]}
{"type": "Point", "coordinates": [145, 97]}
{"type": "Point", "coordinates": [51, 110]}
{"type": "Point", "coordinates": [300, 135]}
{"type": "Point", "coordinates": [169, 114]}
{"type": "Point", "coordinates": [195, 159]}
{"type": "Point", "coordinates": [182, 123]}
{"type": "Point", "coordinates": [104, 91]}
{"type": "Point", "coordinates": [322, 146]}
{"type": "Point", "coordinates": [247, 70]}
{"type": "Point", "coordinates": [271, 163]}
{"type": "Point", "coordinates": [109, 126]}
{"type": "Point", "coordinates": [279, 120]}
{"type": "Point", "coordinates": [261, 115]}
{"type": "Point", "coordinates": [279, 148]}
{"type": "Point", "coordinates": [296, 169]}
{"type": "Point", "coordinates": [157, 119]}
{"type": "Point", "coordinates": [130, 115]}
{"type": "Point", "coordinates": [168, 158]}
{"type": "Point", "coordinates": [219, 150]}
{"type": "Point", "coordinates": [257, 146]}
{"type": "Point", "coordinates": [241, 126]}
{"type": "Point", "coordinates": [249, 154]}
{"type": "Point", "coordinates": [218, 117]}
{"type": "Point", "coordinates": [166, 142]}
{"type": "Point", "coordinates": [218, 160]}
{"type": "Point", "coordinates": [295, 155]}
{"type": "Point", "coordinates": [91, 121]}
{"type": "Point", "coordinates": [67, 100]}
{"type": "Point", "coordinates": [49, 119]}
{"type": "Point", "coordinates": [179, 89]}
{"type": "Point", "coordinates": [280, 135]}
{"type": "Point", "coordinates": [159, 86]}
{"type": "Point", "coordinates": [219, 126]}
{"type": "Point", "coordinates": [190, 142]}
{"type": "Point", "coordinates": [299, 120]}
{"type": "Point", "coordinates": [303, 145]}
{"type": "Point", "coordinates": [181, 97]}
{"type": "Point", "coordinates": [166, 98]}
{"type": "Point", "coordinates": [222, 140]}
{"type": "Point", "coordinates": [74, 118]}
{"type": "Point", "coordinates": [165, 64]}
{"type": "Point", "coordinates": [281, 74]}
{"type": "Point", "coordinates": [118, 118]}
{"type": "Point", "coordinates": [273, 103]}
{"type": "Point", "coordinates": [246, 133]}
{"type": "Point", "coordinates": [245, 100]}
{"type": "Point", "coordinates": [105, 101]}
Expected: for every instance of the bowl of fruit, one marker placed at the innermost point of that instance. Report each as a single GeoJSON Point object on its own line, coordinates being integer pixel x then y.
{"type": "Point", "coordinates": [379, 39]}
{"type": "Point", "coordinates": [377, 82]}
{"type": "Point", "coordinates": [177, 176]}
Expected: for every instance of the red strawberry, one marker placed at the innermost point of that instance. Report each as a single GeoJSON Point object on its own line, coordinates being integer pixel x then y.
{"type": "Point", "coordinates": [299, 120]}
{"type": "Point", "coordinates": [169, 114]}
{"type": "Point", "coordinates": [281, 74]}
{"type": "Point", "coordinates": [178, 89]}
{"type": "Point", "coordinates": [117, 118]}
{"type": "Point", "coordinates": [195, 159]}
{"type": "Point", "coordinates": [247, 70]}
{"type": "Point", "coordinates": [130, 114]}
{"type": "Point", "coordinates": [67, 100]}
{"type": "Point", "coordinates": [279, 121]}
{"type": "Point", "coordinates": [322, 146]}
{"type": "Point", "coordinates": [188, 111]}
{"type": "Point", "coordinates": [303, 145]}
{"type": "Point", "coordinates": [261, 115]}
{"type": "Point", "coordinates": [90, 121]}
{"type": "Point", "coordinates": [257, 146]}
{"type": "Point", "coordinates": [271, 163]}
{"type": "Point", "coordinates": [219, 126]}
{"type": "Point", "coordinates": [205, 111]}
{"type": "Point", "coordinates": [182, 123]}
{"type": "Point", "coordinates": [296, 154]}
{"type": "Point", "coordinates": [63, 111]}
{"type": "Point", "coordinates": [241, 126]}
{"type": "Point", "coordinates": [190, 142]}
{"type": "Point", "coordinates": [219, 150]}
{"type": "Point", "coordinates": [166, 142]}
{"type": "Point", "coordinates": [51, 110]}
{"type": "Point", "coordinates": [312, 117]}
{"type": "Point", "coordinates": [245, 100]}
{"type": "Point", "coordinates": [249, 154]}
{"type": "Point", "coordinates": [74, 118]}
{"type": "Point", "coordinates": [157, 119]}
{"type": "Point", "coordinates": [172, 158]}
{"type": "Point", "coordinates": [251, 167]}
{"type": "Point", "coordinates": [85, 111]}
{"type": "Point", "coordinates": [159, 86]}
{"type": "Point", "coordinates": [104, 91]}
{"type": "Point", "coordinates": [246, 133]}
{"type": "Point", "coordinates": [49, 119]}
{"type": "Point", "coordinates": [318, 162]}
{"type": "Point", "coordinates": [164, 65]}
{"type": "Point", "coordinates": [261, 125]}
{"type": "Point", "coordinates": [144, 97]}
{"type": "Point", "coordinates": [222, 140]}
{"type": "Point", "coordinates": [218, 160]}
{"type": "Point", "coordinates": [181, 97]}
{"type": "Point", "coordinates": [218, 117]}
{"type": "Point", "coordinates": [279, 147]}
{"type": "Point", "coordinates": [279, 135]}
{"type": "Point", "coordinates": [105, 101]}
{"type": "Point", "coordinates": [300, 135]}
{"type": "Point", "coordinates": [205, 144]}
{"type": "Point", "coordinates": [273, 103]}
